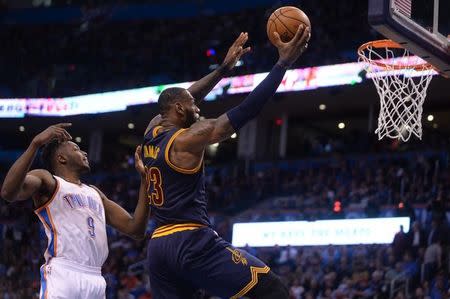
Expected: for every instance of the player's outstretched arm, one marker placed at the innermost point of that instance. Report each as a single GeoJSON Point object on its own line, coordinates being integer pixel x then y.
{"type": "Point", "coordinates": [116, 216]}
{"type": "Point", "coordinates": [20, 183]}
{"type": "Point", "coordinates": [210, 131]}
{"type": "Point", "coordinates": [202, 87]}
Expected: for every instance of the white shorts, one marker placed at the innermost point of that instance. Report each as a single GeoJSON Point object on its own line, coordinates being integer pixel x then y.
{"type": "Point", "coordinates": [62, 279]}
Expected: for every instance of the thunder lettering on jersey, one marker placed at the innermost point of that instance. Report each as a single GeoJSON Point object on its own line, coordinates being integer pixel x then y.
{"type": "Point", "coordinates": [75, 224]}
{"type": "Point", "coordinates": [176, 195]}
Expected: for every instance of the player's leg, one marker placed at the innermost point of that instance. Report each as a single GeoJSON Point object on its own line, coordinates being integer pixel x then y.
{"type": "Point", "coordinates": [222, 270]}
{"type": "Point", "coordinates": [165, 281]}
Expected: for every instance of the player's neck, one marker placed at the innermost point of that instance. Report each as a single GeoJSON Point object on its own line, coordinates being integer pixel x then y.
{"type": "Point", "coordinates": [171, 122]}
{"type": "Point", "coordinates": [69, 176]}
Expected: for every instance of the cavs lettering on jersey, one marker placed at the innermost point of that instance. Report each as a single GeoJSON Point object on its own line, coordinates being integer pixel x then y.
{"type": "Point", "coordinates": [74, 222]}
{"type": "Point", "coordinates": [177, 195]}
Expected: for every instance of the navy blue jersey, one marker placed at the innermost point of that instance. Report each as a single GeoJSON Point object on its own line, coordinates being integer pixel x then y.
{"type": "Point", "coordinates": [176, 195]}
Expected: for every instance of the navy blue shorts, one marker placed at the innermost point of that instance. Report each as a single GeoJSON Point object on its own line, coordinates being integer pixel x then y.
{"type": "Point", "coordinates": [184, 261]}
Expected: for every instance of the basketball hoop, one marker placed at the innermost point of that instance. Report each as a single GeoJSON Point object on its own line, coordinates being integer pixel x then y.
{"type": "Point", "coordinates": [401, 80]}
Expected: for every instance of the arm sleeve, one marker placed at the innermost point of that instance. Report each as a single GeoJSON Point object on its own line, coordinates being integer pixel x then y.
{"type": "Point", "coordinates": [255, 101]}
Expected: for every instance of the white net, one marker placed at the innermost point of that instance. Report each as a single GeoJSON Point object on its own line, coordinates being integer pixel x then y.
{"type": "Point", "coordinates": [401, 81]}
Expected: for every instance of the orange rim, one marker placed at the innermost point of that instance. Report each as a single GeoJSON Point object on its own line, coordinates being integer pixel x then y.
{"type": "Point", "coordinates": [387, 43]}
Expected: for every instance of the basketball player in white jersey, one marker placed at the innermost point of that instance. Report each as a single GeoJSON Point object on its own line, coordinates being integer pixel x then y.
{"type": "Point", "coordinates": [74, 215]}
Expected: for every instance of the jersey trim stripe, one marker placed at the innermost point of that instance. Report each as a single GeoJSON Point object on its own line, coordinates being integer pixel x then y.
{"type": "Point", "coordinates": [172, 226]}
{"type": "Point", "coordinates": [174, 167]}
{"type": "Point", "coordinates": [171, 229]}
{"type": "Point", "coordinates": [43, 284]}
{"type": "Point", "coordinates": [155, 131]}
{"type": "Point", "coordinates": [45, 226]}
{"type": "Point", "coordinates": [51, 198]}
{"type": "Point", "coordinates": [255, 271]}
{"type": "Point", "coordinates": [55, 233]}
{"type": "Point", "coordinates": [47, 220]}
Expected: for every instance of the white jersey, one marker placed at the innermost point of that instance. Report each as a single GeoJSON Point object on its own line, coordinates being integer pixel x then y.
{"type": "Point", "coordinates": [75, 225]}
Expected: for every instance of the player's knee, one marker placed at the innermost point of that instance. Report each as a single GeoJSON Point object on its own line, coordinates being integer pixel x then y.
{"type": "Point", "coordinates": [270, 286]}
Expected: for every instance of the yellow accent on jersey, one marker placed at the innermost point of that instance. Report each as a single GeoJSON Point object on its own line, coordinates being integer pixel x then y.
{"type": "Point", "coordinates": [174, 228]}
{"type": "Point", "coordinates": [255, 271]}
{"type": "Point", "coordinates": [174, 167]}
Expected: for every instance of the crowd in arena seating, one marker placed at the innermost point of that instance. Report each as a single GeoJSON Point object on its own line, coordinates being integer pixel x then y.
{"type": "Point", "coordinates": [98, 55]}
{"type": "Point", "coordinates": [366, 271]}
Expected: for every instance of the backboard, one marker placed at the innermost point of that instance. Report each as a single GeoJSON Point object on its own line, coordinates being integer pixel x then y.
{"type": "Point", "coordinates": [421, 26]}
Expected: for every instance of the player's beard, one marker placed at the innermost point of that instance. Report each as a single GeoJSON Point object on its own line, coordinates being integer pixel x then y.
{"type": "Point", "coordinates": [191, 118]}
{"type": "Point", "coordinates": [83, 166]}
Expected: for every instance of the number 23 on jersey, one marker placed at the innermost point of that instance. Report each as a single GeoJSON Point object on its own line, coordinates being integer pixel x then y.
{"type": "Point", "coordinates": [154, 186]}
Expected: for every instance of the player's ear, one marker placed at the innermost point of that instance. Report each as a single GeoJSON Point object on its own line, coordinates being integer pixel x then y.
{"type": "Point", "coordinates": [61, 158]}
{"type": "Point", "coordinates": [179, 108]}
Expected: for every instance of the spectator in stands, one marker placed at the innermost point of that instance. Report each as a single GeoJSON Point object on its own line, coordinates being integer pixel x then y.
{"type": "Point", "coordinates": [296, 291]}
{"type": "Point", "coordinates": [419, 294]}
{"type": "Point", "coordinates": [432, 259]}
{"type": "Point", "coordinates": [400, 243]}
{"type": "Point", "coordinates": [392, 273]}
{"type": "Point", "coordinates": [417, 238]}
{"type": "Point", "coordinates": [439, 288]}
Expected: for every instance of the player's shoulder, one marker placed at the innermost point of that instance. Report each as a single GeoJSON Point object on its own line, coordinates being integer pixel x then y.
{"type": "Point", "coordinates": [156, 121]}
{"type": "Point", "coordinates": [40, 173]}
{"type": "Point", "coordinates": [194, 139]}
{"type": "Point", "coordinates": [200, 127]}
{"type": "Point", "coordinates": [102, 195]}
{"type": "Point", "coordinates": [48, 185]}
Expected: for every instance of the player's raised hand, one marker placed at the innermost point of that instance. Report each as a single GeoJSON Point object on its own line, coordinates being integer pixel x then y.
{"type": "Point", "coordinates": [236, 51]}
{"type": "Point", "coordinates": [57, 131]}
{"type": "Point", "coordinates": [289, 52]}
{"type": "Point", "coordinates": [138, 163]}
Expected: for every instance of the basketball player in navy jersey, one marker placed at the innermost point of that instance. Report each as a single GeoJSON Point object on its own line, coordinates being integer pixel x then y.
{"type": "Point", "coordinates": [184, 253]}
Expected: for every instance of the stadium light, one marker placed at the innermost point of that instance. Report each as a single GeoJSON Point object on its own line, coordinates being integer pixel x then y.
{"type": "Point", "coordinates": [130, 126]}
{"type": "Point", "coordinates": [234, 135]}
{"type": "Point", "coordinates": [337, 208]}
{"type": "Point", "coordinates": [22, 129]}
{"type": "Point", "coordinates": [77, 139]}
{"type": "Point", "coordinates": [322, 107]}
{"type": "Point", "coordinates": [341, 125]}
{"type": "Point", "coordinates": [430, 117]}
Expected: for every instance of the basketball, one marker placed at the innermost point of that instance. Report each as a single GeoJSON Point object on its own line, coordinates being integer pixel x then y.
{"type": "Point", "coordinates": [286, 20]}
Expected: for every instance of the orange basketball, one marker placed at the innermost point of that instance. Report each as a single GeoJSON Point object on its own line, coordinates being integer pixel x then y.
{"type": "Point", "coordinates": [286, 20]}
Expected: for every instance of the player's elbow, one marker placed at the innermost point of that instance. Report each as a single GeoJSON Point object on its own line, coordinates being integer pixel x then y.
{"type": "Point", "coordinates": [7, 194]}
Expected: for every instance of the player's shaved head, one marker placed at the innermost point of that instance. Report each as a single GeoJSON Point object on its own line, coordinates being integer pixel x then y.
{"type": "Point", "coordinates": [169, 96]}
